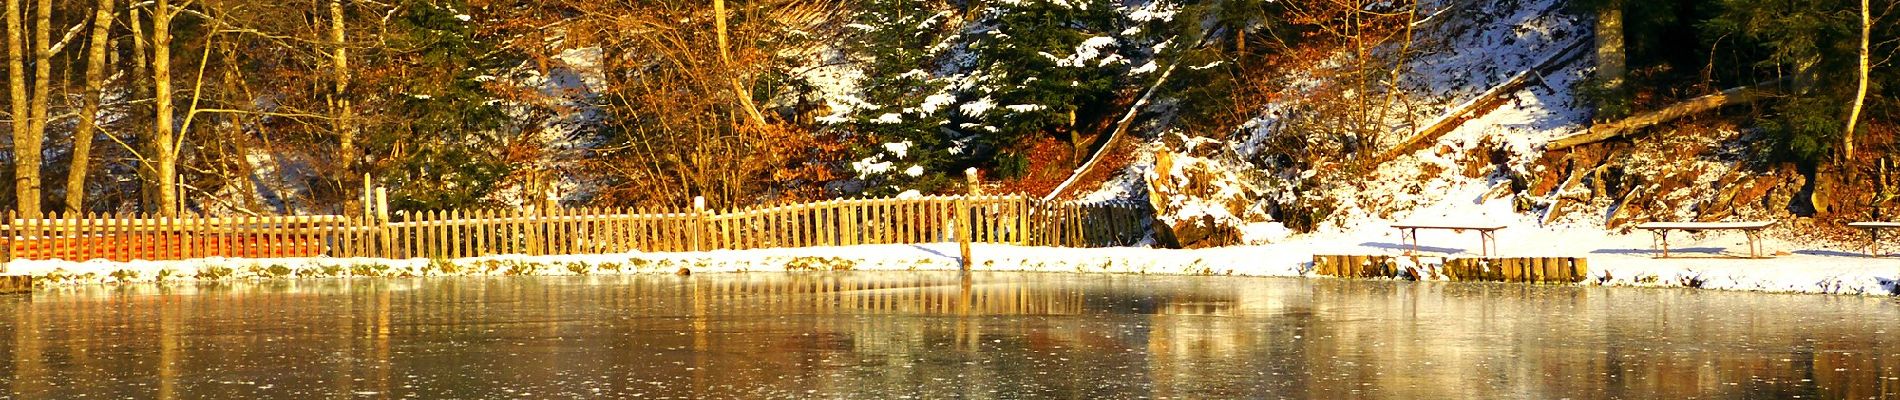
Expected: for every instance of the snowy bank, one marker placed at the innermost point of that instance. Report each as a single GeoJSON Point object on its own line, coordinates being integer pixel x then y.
{"type": "Point", "coordinates": [1805, 272]}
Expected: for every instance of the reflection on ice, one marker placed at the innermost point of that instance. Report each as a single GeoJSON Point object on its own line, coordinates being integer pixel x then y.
{"type": "Point", "coordinates": [933, 335]}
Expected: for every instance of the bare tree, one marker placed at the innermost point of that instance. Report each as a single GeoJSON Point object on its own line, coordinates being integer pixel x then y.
{"type": "Point", "coordinates": [344, 122]}
{"type": "Point", "coordinates": [1860, 94]}
{"type": "Point", "coordinates": [140, 85]}
{"type": "Point", "coordinates": [28, 157]}
{"type": "Point", "coordinates": [164, 149]}
{"type": "Point", "coordinates": [29, 109]}
{"type": "Point", "coordinates": [739, 87]}
{"type": "Point", "coordinates": [16, 96]}
{"type": "Point", "coordinates": [89, 111]}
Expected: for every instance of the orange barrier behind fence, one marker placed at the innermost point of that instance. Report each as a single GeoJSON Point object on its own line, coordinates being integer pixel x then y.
{"type": "Point", "coordinates": [1016, 220]}
{"type": "Point", "coordinates": [163, 246]}
{"type": "Point", "coordinates": [101, 237]}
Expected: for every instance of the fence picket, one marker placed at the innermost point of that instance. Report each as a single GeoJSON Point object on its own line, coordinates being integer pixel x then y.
{"type": "Point", "coordinates": [564, 231]}
{"type": "Point", "coordinates": [439, 234]}
{"type": "Point", "coordinates": [628, 240]}
{"type": "Point", "coordinates": [114, 229]}
{"type": "Point", "coordinates": [587, 241]}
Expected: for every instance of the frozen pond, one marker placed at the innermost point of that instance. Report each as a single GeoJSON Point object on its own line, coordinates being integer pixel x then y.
{"type": "Point", "coordinates": [934, 335]}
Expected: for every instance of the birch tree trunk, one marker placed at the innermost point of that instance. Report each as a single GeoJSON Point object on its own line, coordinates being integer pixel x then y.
{"type": "Point", "coordinates": [1860, 94]}
{"type": "Point", "coordinates": [89, 112]}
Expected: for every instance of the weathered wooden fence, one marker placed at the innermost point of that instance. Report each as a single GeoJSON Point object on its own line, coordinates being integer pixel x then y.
{"type": "Point", "coordinates": [466, 233]}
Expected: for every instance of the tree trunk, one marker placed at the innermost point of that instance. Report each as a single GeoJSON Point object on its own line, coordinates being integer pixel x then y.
{"type": "Point", "coordinates": [739, 90]}
{"type": "Point", "coordinates": [163, 145]}
{"type": "Point", "coordinates": [1601, 132]}
{"type": "Point", "coordinates": [16, 96]}
{"type": "Point", "coordinates": [1611, 59]}
{"type": "Point", "coordinates": [28, 157]}
{"type": "Point", "coordinates": [89, 112]}
{"type": "Point", "coordinates": [345, 112]}
{"type": "Point", "coordinates": [141, 75]}
{"type": "Point", "coordinates": [1860, 94]}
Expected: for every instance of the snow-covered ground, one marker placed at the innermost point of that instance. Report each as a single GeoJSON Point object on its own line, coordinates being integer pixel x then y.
{"type": "Point", "coordinates": [1709, 261]}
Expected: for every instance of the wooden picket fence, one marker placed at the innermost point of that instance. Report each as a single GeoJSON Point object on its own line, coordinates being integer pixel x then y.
{"type": "Point", "coordinates": [1017, 220]}
{"type": "Point", "coordinates": [123, 239]}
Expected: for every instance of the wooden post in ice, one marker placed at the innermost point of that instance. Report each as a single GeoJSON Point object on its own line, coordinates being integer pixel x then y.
{"type": "Point", "coordinates": [699, 223]}
{"type": "Point", "coordinates": [964, 229]}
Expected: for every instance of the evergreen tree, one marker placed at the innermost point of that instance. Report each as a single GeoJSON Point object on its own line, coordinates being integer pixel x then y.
{"type": "Point", "coordinates": [900, 122]}
{"type": "Point", "coordinates": [1812, 44]}
{"type": "Point", "coordinates": [448, 150]}
{"type": "Point", "coordinates": [974, 95]}
{"type": "Point", "coordinates": [1038, 64]}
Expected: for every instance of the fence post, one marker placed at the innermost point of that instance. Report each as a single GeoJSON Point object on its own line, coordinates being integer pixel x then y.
{"type": "Point", "coordinates": [963, 231]}
{"type": "Point", "coordinates": [13, 236]}
{"type": "Point", "coordinates": [382, 221]}
{"type": "Point", "coordinates": [699, 223]}
{"type": "Point", "coordinates": [367, 198]}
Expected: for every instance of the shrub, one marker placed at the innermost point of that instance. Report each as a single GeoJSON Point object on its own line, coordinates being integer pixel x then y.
{"type": "Point", "coordinates": [214, 272]}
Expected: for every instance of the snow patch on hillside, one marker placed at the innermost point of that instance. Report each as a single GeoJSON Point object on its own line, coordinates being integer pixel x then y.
{"type": "Point", "coordinates": [1464, 49]}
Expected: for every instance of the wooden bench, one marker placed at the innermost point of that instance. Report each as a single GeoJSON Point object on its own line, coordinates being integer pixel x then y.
{"type": "Point", "coordinates": [1751, 228]}
{"type": "Point", "coordinates": [1873, 234]}
{"type": "Point", "coordinates": [1487, 239]}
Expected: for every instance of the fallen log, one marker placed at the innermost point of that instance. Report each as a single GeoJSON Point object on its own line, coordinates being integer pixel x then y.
{"type": "Point", "coordinates": [1121, 127]}
{"type": "Point", "coordinates": [1477, 106]}
{"type": "Point", "coordinates": [1602, 132]}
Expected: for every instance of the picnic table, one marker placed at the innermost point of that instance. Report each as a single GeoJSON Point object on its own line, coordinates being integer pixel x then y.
{"type": "Point", "coordinates": [1751, 228]}
{"type": "Point", "coordinates": [1873, 234]}
{"type": "Point", "coordinates": [1487, 238]}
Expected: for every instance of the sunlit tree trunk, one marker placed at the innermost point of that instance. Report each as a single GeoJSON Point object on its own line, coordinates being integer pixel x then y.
{"type": "Point", "coordinates": [739, 89]}
{"type": "Point", "coordinates": [1611, 59]}
{"type": "Point", "coordinates": [345, 112]}
{"type": "Point", "coordinates": [28, 109]}
{"type": "Point", "coordinates": [29, 155]}
{"type": "Point", "coordinates": [1860, 94]}
{"type": "Point", "coordinates": [165, 157]}
{"type": "Point", "coordinates": [16, 96]}
{"type": "Point", "coordinates": [141, 77]}
{"type": "Point", "coordinates": [89, 112]}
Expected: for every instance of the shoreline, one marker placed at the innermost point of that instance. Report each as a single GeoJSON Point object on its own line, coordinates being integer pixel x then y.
{"type": "Point", "coordinates": [1794, 273]}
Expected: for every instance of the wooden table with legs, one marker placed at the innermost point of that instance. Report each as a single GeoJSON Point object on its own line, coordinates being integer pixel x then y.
{"type": "Point", "coordinates": [1873, 234]}
{"type": "Point", "coordinates": [1487, 235]}
{"type": "Point", "coordinates": [1751, 228]}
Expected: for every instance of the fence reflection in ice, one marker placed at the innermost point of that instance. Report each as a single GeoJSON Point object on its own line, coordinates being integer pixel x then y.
{"type": "Point", "coordinates": [878, 335]}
